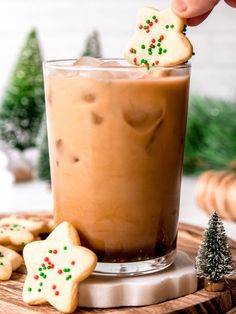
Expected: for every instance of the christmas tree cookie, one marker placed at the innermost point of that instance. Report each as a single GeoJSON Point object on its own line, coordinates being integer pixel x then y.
{"type": "Point", "coordinates": [159, 39]}
{"type": "Point", "coordinates": [9, 261]}
{"type": "Point", "coordinates": [55, 268]}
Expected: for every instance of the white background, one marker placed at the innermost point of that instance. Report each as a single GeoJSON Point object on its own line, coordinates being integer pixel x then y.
{"type": "Point", "coordinates": [64, 24]}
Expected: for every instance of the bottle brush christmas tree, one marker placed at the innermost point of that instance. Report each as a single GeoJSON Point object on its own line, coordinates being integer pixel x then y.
{"type": "Point", "coordinates": [23, 103]}
{"type": "Point", "coordinates": [214, 261]}
{"type": "Point", "coordinates": [92, 47]}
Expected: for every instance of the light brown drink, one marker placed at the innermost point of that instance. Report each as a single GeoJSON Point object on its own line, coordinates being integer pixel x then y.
{"type": "Point", "coordinates": [116, 149]}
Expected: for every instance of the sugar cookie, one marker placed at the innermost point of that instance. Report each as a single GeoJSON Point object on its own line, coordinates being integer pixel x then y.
{"type": "Point", "coordinates": [55, 268]}
{"type": "Point", "coordinates": [159, 39]}
{"type": "Point", "coordinates": [9, 261]}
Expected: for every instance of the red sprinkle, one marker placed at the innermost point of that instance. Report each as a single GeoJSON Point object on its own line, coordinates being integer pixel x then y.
{"type": "Point", "coordinates": [57, 293]}
{"type": "Point", "coordinates": [36, 277]}
{"type": "Point", "coordinates": [147, 64]}
{"type": "Point", "coordinates": [150, 23]}
{"type": "Point", "coordinates": [153, 40]}
{"type": "Point", "coordinates": [162, 37]}
{"type": "Point", "coordinates": [54, 287]}
{"type": "Point", "coordinates": [60, 271]}
{"type": "Point", "coordinates": [131, 50]}
{"type": "Point", "coordinates": [54, 251]}
{"type": "Point", "coordinates": [147, 31]}
{"type": "Point", "coordinates": [156, 20]}
{"type": "Point", "coordinates": [43, 265]}
{"type": "Point", "coordinates": [52, 265]}
{"type": "Point", "coordinates": [135, 60]}
{"type": "Point", "coordinates": [157, 62]}
{"type": "Point", "coordinates": [140, 26]}
{"type": "Point", "coordinates": [46, 259]}
{"type": "Point", "coordinates": [73, 262]}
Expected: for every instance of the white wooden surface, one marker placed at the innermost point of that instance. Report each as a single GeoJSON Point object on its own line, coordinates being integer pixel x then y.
{"type": "Point", "coordinates": [64, 24]}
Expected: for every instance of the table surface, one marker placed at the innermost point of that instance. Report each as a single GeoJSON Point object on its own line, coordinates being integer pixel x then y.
{"type": "Point", "coordinates": [35, 196]}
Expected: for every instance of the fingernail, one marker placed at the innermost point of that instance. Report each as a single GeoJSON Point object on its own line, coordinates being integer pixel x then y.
{"type": "Point", "coordinates": [180, 5]}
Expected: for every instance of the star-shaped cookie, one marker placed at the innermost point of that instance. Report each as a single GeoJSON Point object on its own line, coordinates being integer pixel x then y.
{"type": "Point", "coordinates": [55, 268]}
{"type": "Point", "coordinates": [159, 39]}
{"type": "Point", "coordinates": [9, 261]}
{"type": "Point", "coordinates": [14, 234]}
{"type": "Point", "coordinates": [34, 224]}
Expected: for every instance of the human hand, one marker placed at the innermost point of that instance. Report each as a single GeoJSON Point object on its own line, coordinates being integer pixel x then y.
{"type": "Point", "coordinates": [196, 11]}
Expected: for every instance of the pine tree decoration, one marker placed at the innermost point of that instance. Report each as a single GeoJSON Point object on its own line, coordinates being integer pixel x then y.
{"type": "Point", "coordinates": [209, 130]}
{"type": "Point", "coordinates": [23, 104]}
{"type": "Point", "coordinates": [92, 48]}
{"type": "Point", "coordinates": [43, 162]}
{"type": "Point", "coordinates": [214, 261]}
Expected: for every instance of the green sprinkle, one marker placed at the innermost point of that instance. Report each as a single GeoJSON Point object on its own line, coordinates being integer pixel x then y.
{"type": "Point", "coordinates": [41, 274]}
{"type": "Point", "coordinates": [40, 269]}
{"type": "Point", "coordinates": [165, 51]}
{"type": "Point", "coordinates": [145, 27]}
{"type": "Point", "coordinates": [148, 67]}
{"type": "Point", "coordinates": [134, 51]}
{"type": "Point", "coordinates": [1, 264]}
{"type": "Point", "coordinates": [66, 270]}
{"type": "Point", "coordinates": [150, 53]}
{"type": "Point", "coordinates": [48, 267]}
{"type": "Point", "coordinates": [68, 277]}
{"type": "Point", "coordinates": [149, 49]}
{"type": "Point", "coordinates": [15, 226]}
{"type": "Point", "coordinates": [153, 64]}
{"type": "Point", "coordinates": [65, 248]}
{"type": "Point", "coordinates": [154, 17]}
{"type": "Point", "coordinates": [44, 276]}
{"type": "Point", "coordinates": [167, 26]}
{"type": "Point", "coordinates": [44, 267]}
{"type": "Point", "coordinates": [50, 251]}
{"type": "Point", "coordinates": [1, 255]}
{"type": "Point", "coordinates": [39, 290]}
{"type": "Point", "coordinates": [159, 40]}
{"type": "Point", "coordinates": [142, 61]}
{"type": "Point", "coordinates": [40, 284]}
{"type": "Point", "coordinates": [143, 46]}
{"type": "Point", "coordinates": [158, 45]}
{"type": "Point", "coordinates": [11, 229]}
{"type": "Point", "coordinates": [29, 289]}
{"type": "Point", "coordinates": [148, 21]}
{"type": "Point", "coordinates": [145, 62]}
{"type": "Point", "coordinates": [172, 26]}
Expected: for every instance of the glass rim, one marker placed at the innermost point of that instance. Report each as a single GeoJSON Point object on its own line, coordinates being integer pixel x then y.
{"type": "Point", "coordinates": [60, 64]}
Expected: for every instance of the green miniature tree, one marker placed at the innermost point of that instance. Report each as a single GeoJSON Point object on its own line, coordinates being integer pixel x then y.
{"type": "Point", "coordinates": [92, 47]}
{"type": "Point", "coordinates": [22, 107]}
{"type": "Point", "coordinates": [214, 260]}
{"type": "Point", "coordinates": [210, 139]}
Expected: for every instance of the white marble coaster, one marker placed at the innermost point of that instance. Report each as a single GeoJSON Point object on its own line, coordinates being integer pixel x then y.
{"type": "Point", "coordinates": [176, 281]}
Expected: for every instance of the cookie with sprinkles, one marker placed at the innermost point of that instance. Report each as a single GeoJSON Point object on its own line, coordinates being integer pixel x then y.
{"type": "Point", "coordinates": [15, 234]}
{"type": "Point", "coordinates": [159, 40]}
{"type": "Point", "coordinates": [9, 261]}
{"type": "Point", "coordinates": [55, 268]}
{"type": "Point", "coordinates": [34, 224]}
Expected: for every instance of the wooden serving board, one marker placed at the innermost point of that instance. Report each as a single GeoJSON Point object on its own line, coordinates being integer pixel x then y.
{"type": "Point", "coordinates": [199, 302]}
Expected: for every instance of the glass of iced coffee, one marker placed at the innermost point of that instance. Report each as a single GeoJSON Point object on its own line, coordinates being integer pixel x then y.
{"type": "Point", "coordinates": [116, 140]}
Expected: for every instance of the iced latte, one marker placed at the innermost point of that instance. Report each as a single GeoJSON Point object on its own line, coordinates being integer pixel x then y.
{"type": "Point", "coordinates": [116, 138]}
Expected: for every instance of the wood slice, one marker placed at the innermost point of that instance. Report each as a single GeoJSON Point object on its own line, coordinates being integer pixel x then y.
{"type": "Point", "coordinates": [199, 302]}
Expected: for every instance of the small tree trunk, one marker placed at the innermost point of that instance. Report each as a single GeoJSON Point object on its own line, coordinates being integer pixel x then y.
{"type": "Point", "coordinates": [212, 286]}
